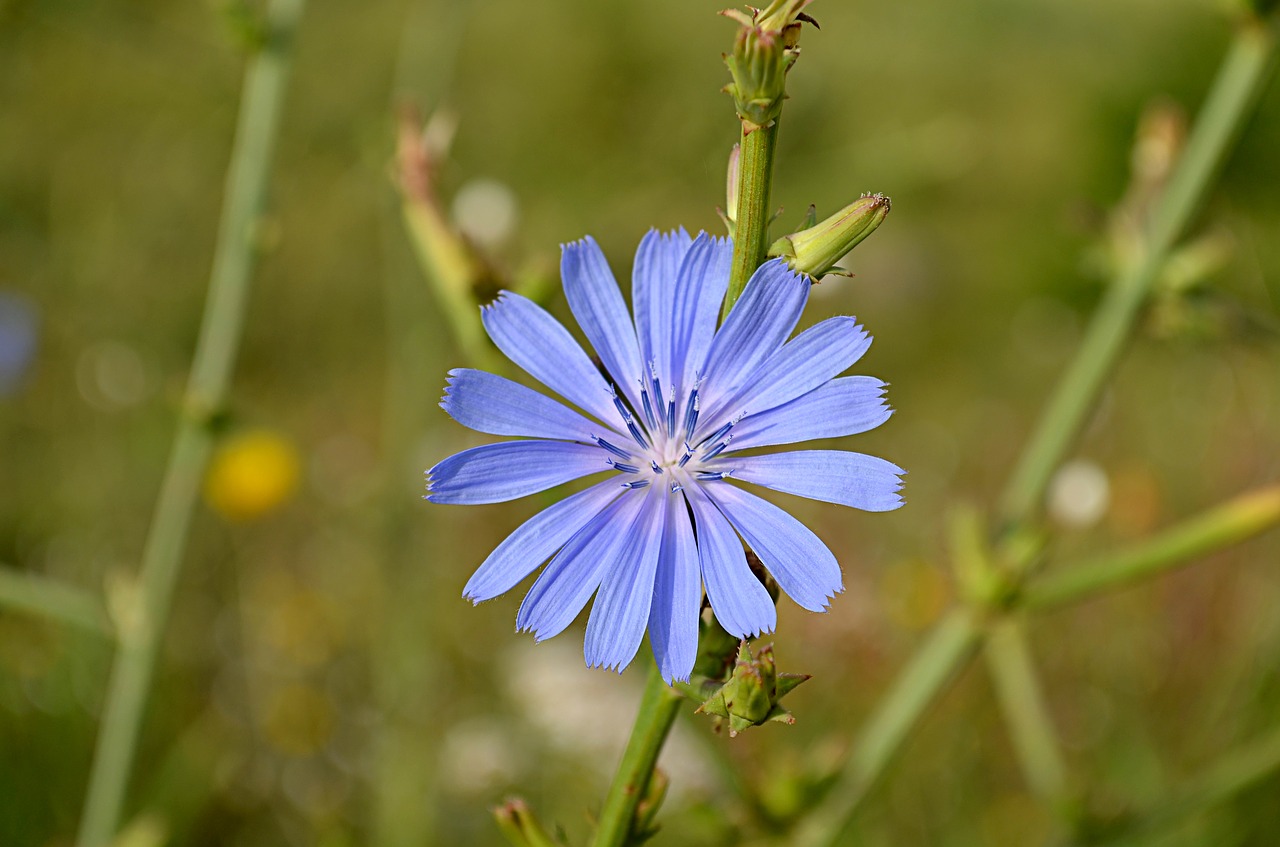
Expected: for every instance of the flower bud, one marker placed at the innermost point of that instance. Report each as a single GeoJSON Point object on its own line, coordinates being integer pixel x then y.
{"type": "Point", "coordinates": [729, 214]}
{"type": "Point", "coordinates": [752, 694]}
{"type": "Point", "coordinates": [815, 251]}
{"type": "Point", "coordinates": [758, 64]}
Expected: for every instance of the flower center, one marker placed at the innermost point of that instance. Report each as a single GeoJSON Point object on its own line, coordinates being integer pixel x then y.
{"type": "Point", "coordinates": [663, 453]}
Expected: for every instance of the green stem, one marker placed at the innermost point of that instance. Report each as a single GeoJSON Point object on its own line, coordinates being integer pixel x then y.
{"type": "Point", "coordinates": [751, 226]}
{"type": "Point", "coordinates": [1234, 91]}
{"type": "Point", "coordinates": [140, 633]}
{"type": "Point", "coordinates": [658, 709]}
{"type": "Point", "coordinates": [938, 661]}
{"type": "Point", "coordinates": [1230, 523]}
{"type": "Point", "coordinates": [1022, 701]}
{"type": "Point", "coordinates": [48, 598]}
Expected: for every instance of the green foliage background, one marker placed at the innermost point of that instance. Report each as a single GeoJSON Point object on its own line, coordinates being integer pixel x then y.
{"type": "Point", "coordinates": [322, 682]}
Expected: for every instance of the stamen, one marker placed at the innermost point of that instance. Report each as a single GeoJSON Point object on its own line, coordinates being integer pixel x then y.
{"type": "Point", "coordinates": [671, 414]}
{"type": "Point", "coordinates": [617, 451]}
{"type": "Point", "coordinates": [655, 467]}
{"type": "Point", "coordinates": [691, 415]}
{"type": "Point", "coordinates": [719, 448]}
{"type": "Point", "coordinates": [621, 466]}
{"type": "Point", "coordinates": [657, 385]}
{"type": "Point", "coordinates": [688, 454]}
{"type": "Point", "coordinates": [675, 486]}
{"type": "Point", "coordinates": [637, 434]}
{"type": "Point", "coordinates": [617, 402]}
{"type": "Point", "coordinates": [718, 434]}
{"type": "Point", "coordinates": [639, 483]}
{"type": "Point", "coordinates": [648, 409]}
{"type": "Point", "coordinates": [707, 476]}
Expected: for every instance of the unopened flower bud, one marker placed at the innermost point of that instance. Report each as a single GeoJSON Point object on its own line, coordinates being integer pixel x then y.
{"type": "Point", "coordinates": [758, 64]}
{"type": "Point", "coordinates": [815, 251]}
{"type": "Point", "coordinates": [752, 694]}
{"type": "Point", "coordinates": [730, 212]}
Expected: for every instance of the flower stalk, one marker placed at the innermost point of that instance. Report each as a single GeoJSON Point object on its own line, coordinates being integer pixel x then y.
{"type": "Point", "coordinates": [1223, 526]}
{"type": "Point", "coordinates": [141, 630]}
{"type": "Point", "coordinates": [659, 706]}
{"type": "Point", "coordinates": [1236, 88]}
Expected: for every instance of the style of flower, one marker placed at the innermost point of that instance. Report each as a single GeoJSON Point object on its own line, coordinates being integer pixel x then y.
{"type": "Point", "coordinates": [675, 426]}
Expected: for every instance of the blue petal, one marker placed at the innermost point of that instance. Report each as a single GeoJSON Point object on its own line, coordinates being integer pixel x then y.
{"type": "Point", "coordinates": [677, 596]}
{"type": "Point", "coordinates": [812, 358]}
{"type": "Point", "coordinates": [621, 609]}
{"type": "Point", "coordinates": [844, 406]}
{"type": "Point", "coordinates": [567, 583]}
{"type": "Point", "coordinates": [510, 469]}
{"type": "Point", "coordinates": [759, 323]}
{"type": "Point", "coordinates": [489, 403]}
{"type": "Point", "coordinates": [653, 292]}
{"type": "Point", "coordinates": [536, 539]}
{"type": "Point", "coordinates": [834, 476]}
{"type": "Point", "coordinates": [529, 336]}
{"type": "Point", "coordinates": [700, 288]}
{"type": "Point", "coordinates": [802, 565]}
{"type": "Point", "coordinates": [740, 602]}
{"type": "Point", "coordinates": [597, 303]}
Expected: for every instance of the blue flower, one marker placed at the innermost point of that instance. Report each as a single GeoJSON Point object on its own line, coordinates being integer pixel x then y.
{"type": "Point", "coordinates": [675, 432]}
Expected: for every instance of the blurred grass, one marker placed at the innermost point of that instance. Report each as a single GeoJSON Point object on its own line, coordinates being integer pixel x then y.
{"type": "Point", "coordinates": [307, 645]}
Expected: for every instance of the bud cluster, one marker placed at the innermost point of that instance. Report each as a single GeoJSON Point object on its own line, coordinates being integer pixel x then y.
{"type": "Point", "coordinates": [766, 47]}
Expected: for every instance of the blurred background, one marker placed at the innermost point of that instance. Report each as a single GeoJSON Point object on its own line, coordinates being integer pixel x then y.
{"type": "Point", "coordinates": [321, 680]}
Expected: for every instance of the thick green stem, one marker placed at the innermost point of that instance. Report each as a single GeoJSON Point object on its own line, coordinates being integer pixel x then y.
{"type": "Point", "coordinates": [658, 709]}
{"type": "Point", "coordinates": [39, 595]}
{"type": "Point", "coordinates": [1230, 523]}
{"type": "Point", "coordinates": [1023, 704]}
{"type": "Point", "coordinates": [1234, 91]}
{"type": "Point", "coordinates": [938, 661]}
{"type": "Point", "coordinates": [751, 227]}
{"type": "Point", "coordinates": [141, 629]}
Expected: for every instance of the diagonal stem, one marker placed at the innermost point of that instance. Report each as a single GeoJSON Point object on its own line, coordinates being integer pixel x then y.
{"type": "Point", "coordinates": [48, 598]}
{"type": "Point", "coordinates": [659, 706]}
{"type": "Point", "coordinates": [220, 332]}
{"type": "Point", "coordinates": [1227, 524]}
{"type": "Point", "coordinates": [1234, 91]}
{"type": "Point", "coordinates": [936, 663]}
{"type": "Point", "coordinates": [1025, 711]}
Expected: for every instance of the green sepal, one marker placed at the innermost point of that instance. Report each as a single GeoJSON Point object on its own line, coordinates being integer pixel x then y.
{"type": "Point", "coordinates": [751, 695]}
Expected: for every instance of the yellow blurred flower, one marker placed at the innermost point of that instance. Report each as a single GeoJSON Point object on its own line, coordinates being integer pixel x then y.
{"type": "Point", "coordinates": [251, 474]}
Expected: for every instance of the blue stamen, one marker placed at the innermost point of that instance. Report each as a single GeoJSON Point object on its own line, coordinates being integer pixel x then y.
{"type": "Point", "coordinates": [675, 486]}
{"type": "Point", "coordinates": [622, 466]}
{"type": "Point", "coordinates": [639, 483]}
{"type": "Point", "coordinates": [617, 451]}
{"type": "Point", "coordinates": [691, 415]}
{"type": "Point", "coordinates": [719, 448]}
{"type": "Point", "coordinates": [718, 434]}
{"type": "Point", "coordinates": [707, 476]}
{"type": "Point", "coordinates": [671, 415]}
{"type": "Point", "coordinates": [688, 454]}
{"type": "Point", "coordinates": [621, 407]}
{"type": "Point", "coordinates": [655, 467]}
{"type": "Point", "coordinates": [648, 409]}
{"type": "Point", "coordinates": [637, 434]}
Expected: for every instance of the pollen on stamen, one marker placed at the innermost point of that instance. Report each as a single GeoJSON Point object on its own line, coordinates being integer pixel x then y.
{"type": "Point", "coordinates": [671, 414]}
{"type": "Point", "coordinates": [639, 483]}
{"type": "Point", "coordinates": [653, 464]}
